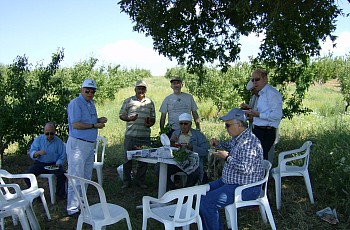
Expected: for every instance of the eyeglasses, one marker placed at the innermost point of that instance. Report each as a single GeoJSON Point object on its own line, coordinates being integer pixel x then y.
{"type": "Point", "coordinates": [255, 79]}
{"type": "Point", "coordinates": [228, 125]}
{"type": "Point", "coordinates": [90, 91]}
{"type": "Point", "coordinates": [184, 123]}
{"type": "Point", "coordinates": [50, 133]}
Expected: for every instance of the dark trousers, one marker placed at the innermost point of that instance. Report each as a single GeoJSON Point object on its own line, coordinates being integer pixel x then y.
{"type": "Point", "coordinates": [192, 178]}
{"type": "Point", "coordinates": [267, 138]}
{"type": "Point", "coordinates": [129, 144]}
{"type": "Point", "coordinates": [38, 168]}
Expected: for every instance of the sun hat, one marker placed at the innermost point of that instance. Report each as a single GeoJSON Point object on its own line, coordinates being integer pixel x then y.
{"type": "Point", "coordinates": [141, 83]}
{"type": "Point", "coordinates": [236, 114]}
{"type": "Point", "coordinates": [250, 85]}
{"type": "Point", "coordinates": [185, 117]}
{"type": "Point", "coordinates": [89, 83]}
{"type": "Point", "coordinates": [175, 78]}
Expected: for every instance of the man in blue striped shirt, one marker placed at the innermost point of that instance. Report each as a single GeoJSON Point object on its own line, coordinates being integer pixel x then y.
{"type": "Point", "coordinates": [243, 165]}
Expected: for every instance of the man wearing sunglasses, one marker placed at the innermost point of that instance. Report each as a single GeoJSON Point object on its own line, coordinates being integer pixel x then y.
{"type": "Point", "coordinates": [268, 113]}
{"type": "Point", "coordinates": [48, 150]}
{"type": "Point", "coordinates": [243, 157]}
{"type": "Point", "coordinates": [83, 125]}
{"type": "Point", "coordinates": [193, 140]}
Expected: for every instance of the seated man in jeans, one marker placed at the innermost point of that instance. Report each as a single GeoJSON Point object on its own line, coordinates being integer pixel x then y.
{"type": "Point", "coordinates": [243, 165]}
{"type": "Point", "coordinates": [49, 150]}
{"type": "Point", "coordinates": [190, 139]}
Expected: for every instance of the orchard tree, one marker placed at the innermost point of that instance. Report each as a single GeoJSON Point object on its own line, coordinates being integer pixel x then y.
{"type": "Point", "coordinates": [196, 33]}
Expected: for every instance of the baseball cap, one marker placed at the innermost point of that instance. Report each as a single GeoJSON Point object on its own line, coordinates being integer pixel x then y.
{"type": "Point", "coordinates": [185, 117]}
{"type": "Point", "coordinates": [141, 83]}
{"type": "Point", "coordinates": [250, 85]}
{"type": "Point", "coordinates": [89, 83]}
{"type": "Point", "coordinates": [236, 114]}
{"type": "Point", "coordinates": [175, 78]}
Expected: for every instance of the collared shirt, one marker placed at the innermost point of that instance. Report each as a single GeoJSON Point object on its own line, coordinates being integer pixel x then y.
{"type": "Point", "coordinates": [79, 110]}
{"type": "Point", "coordinates": [245, 164]}
{"type": "Point", "coordinates": [144, 108]}
{"type": "Point", "coordinates": [55, 150]}
{"type": "Point", "coordinates": [175, 105]}
{"type": "Point", "coordinates": [269, 106]}
{"type": "Point", "coordinates": [184, 139]}
{"type": "Point", "coordinates": [198, 142]}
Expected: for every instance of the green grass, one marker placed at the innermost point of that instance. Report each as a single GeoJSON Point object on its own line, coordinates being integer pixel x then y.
{"type": "Point", "coordinates": [328, 127]}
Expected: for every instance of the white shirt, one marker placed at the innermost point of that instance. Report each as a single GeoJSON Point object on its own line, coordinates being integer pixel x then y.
{"type": "Point", "coordinates": [269, 107]}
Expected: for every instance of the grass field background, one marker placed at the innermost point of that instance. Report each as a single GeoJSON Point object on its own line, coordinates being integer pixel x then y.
{"type": "Point", "coordinates": [327, 127]}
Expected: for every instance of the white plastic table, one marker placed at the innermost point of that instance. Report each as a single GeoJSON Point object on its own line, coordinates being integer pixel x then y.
{"type": "Point", "coordinates": [163, 171]}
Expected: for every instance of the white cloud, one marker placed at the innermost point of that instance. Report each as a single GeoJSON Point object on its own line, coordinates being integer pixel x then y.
{"type": "Point", "coordinates": [342, 45]}
{"type": "Point", "coordinates": [131, 54]}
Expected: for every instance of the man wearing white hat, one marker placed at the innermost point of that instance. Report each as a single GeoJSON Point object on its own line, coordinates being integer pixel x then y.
{"type": "Point", "coordinates": [139, 114]}
{"type": "Point", "coordinates": [83, 124]}
{"type": "Point", "coordinates": [193, 140]}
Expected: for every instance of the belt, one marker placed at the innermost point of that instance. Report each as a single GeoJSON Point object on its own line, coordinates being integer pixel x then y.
{"type": "Point", "coordinates": [85, 140]}
{"type": "Point", "coordinates": [264, 127]}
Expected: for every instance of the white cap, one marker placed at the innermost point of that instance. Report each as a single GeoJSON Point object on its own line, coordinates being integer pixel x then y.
{"type": "Point", "coordinates": [185, 117]}
{"type": "Point", "coordinates": [89, 83]}
{"type": "Point", "coordinates": [250, 85]}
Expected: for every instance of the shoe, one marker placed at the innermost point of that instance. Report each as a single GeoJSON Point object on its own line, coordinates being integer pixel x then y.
{"type": "Point", "coordinates": [125, 185]}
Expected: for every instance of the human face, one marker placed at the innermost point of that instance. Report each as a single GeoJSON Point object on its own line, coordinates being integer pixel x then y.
{"type": "Point", "coordinates": [259, 80]}
{"type": "Point", "coordinates": [49, 131]}
{"type": "Point", "coordinates": [233, 128]}
{"type": "Point", "coordinates": [176, 86]}
{"type": "Point", "coordinates": [88, 93]}
{"type": "Point", "coordinates": [140, 92]}
{"type": "Point", "coordinates": [185, 126]}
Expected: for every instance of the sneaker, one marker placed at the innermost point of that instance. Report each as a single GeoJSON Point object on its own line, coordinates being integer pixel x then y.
{"type": "Point", "coordinates": [126, 184]}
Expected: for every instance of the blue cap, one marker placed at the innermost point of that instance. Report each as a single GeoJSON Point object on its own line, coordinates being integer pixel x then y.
{"type": "Point", "coordinates": [236, 114]}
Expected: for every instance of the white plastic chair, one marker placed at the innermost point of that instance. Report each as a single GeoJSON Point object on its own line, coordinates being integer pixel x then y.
{"type": "Point", "coordinates": [30, 194]}
{"type": "Point", "coordinates": [18, 207]}
{"type": "Point", "coordinates": [262, 201]}
{"type": "Point", "coordinates": [284, 169]}
{"type": "Point", "coordinates": [52, 185]}
{"type": "Point", "coordinates": [98, 164]}
{"type": "Point", "coordinates": [98, 214]}
{"type": "Point", "coordinates": [172, 214]}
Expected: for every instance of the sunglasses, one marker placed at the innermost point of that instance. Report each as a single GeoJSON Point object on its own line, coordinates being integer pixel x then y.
{"type": "Point", "coordinates": [50, 133]}
{"type": "Point", "coordinates": [184, 123]}
{"type": "Point", "coordinates": [255, 79]}
{"type": "Point", "coordinates": [228, 125]}
{"type": "Point", "coordinates": [90, 91]}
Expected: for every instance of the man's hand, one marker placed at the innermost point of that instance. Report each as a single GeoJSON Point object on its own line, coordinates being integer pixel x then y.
{"type": "Point", "coordinates": [102, 120]}
{"type": "Point", "coordinates": [133, 118]}
{"type": "Point", "coordinates": [245, 106]}
{"type": "Point", "coordinates": [221, 153]}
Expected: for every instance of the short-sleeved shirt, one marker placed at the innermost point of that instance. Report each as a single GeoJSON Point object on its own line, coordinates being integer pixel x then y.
{"type": "Point", "coordinates": [55, 150]}
{"type": "Point", "coordinates": [175, 105]}
{"type": "Point", "coordinates": [144, 108]}
{"type": "Point", "coordinates": [79, 110]}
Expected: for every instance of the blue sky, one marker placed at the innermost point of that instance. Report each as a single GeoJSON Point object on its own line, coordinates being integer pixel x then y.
{"type": "Point", "coordinates": [91, 28]}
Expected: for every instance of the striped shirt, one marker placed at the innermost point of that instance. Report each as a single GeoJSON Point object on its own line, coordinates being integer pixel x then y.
{"type": "Point", "coordinates": [245, 164]}
{"type": "Point", "coordinates": [144, 108]}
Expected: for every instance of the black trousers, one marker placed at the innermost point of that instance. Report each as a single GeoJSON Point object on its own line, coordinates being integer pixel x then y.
{"type": "Point", "coordinates": [267, 138]}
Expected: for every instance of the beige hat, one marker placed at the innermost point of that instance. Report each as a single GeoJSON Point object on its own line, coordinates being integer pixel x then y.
{"type": "Point", "coordinates": [141, 83]}
{"type": "Point", "coordinates": [185, 117]}
{"type": "Point", "coordinates": [89, 83]}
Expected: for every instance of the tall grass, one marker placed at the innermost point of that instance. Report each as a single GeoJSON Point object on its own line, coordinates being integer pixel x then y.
{"type": "Point", "coordinates": [328, 127]}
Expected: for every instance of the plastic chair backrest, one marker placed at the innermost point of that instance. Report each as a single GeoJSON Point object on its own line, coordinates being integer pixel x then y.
{"type": "Point", "coordinates": [305, 157]}
{"type": "Point", "coordinates": [100, 145]}
{"type": "Point", "coordinates": [6, 174]}
{"type": "Point", "coordinates": [83, 184]}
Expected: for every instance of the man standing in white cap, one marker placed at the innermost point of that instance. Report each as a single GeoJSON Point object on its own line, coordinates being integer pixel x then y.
{"type": "Point", "coordinates": [83, 124]}
{"type": "Point", "coordinates": [176, 104]}
{"type": "Point", "coordinates": [243, 165]}
{"type": "Point", "coordinates": [139, 113]}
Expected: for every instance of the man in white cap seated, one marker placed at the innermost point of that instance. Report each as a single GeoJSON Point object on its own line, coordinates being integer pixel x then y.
{"type": "Point", "coordinates": [243, 165]}
{"type": "Point", "coordinates": [193, 140]}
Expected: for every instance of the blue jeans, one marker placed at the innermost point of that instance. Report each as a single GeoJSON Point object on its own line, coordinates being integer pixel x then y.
{"type": "Point", "coordinates": [219, 196]}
